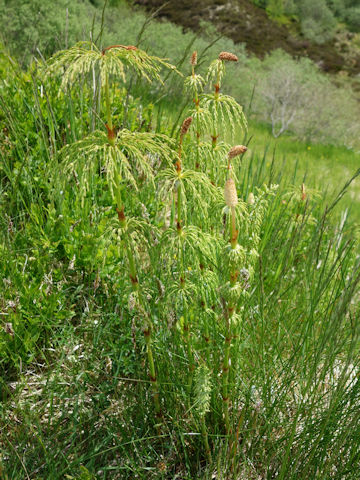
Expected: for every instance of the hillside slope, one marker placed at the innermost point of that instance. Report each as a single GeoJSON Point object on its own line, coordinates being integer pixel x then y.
{"type": "Point", "coordinates": [244, 22]}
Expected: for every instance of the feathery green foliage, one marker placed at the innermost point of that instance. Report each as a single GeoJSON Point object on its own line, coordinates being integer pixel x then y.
{"type": "Point", "coordinates": [202, 390]}
{"type": "Point", "coordinates": [134, 154]}
{"type": "Point", "coordinates": [130, 289]}
{"type": "Point", "coordinates": [85, 57]}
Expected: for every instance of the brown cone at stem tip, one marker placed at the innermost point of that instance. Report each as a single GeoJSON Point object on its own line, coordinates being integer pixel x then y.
{"type": "Point", "coordinates": [237, 150]}
{"type": "Point", "coordinates": [185, 126]}
{"type": "Point", "coordinates": [193, 60]}
{"type": "Point", "coordinates": [229, 57]}
{"type": "Point", "coordinates": [230, 194]}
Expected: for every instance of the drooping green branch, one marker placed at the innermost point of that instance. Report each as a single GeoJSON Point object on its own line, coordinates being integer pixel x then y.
{"type": "Point", "coordinates": [85, 56]}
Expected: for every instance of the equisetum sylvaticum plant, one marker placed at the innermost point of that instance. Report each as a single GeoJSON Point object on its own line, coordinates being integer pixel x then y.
{"type": "Point", "coordinates": [124, 155]}
{"type": "Point", "coordinates": [205, 250]}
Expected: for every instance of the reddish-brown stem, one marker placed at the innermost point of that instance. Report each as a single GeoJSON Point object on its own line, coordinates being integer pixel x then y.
{"type": "Point", "coordinates": [127, 47]}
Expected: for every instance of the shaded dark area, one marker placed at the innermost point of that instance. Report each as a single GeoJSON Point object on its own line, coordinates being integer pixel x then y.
{"type": "Point", "coordinates": [245, 23]}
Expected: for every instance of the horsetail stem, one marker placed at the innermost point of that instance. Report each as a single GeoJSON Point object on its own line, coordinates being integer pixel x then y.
{"type": "Point", "coordinates": [215, 135]}
{"type": "Point", "coordinates": [179, 220]}
{"type": "Point", "coordinates": [193, 62]}
{"type": "Point", "coordinates": [148, 327]}
{"type": "Point", "coordinates": [228, 323]}
{"type": "Point", "coordinates": [206, 335]}
{"type": "Point", "coordinates": [223, 56]}
{"type": "Point", "coordinates": [135, 285]}
{"type": "Point", "coordinates": [231, 200]}
{"type": "Point", "coordinates": [109, 124]}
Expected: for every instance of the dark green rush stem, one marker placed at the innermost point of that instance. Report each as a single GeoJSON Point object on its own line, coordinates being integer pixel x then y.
{"type": "Point", "coordinates": [204, 434]}
{"type": "Point", "coordinates": [228, 334]}
{"type": "Point", "coordinates": [197, 167]}
{"type": "Point", "coordinates": [147, 327]}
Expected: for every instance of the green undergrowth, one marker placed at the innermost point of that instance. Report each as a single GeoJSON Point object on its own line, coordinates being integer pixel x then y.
{"type": "Point", "coordinates": [255, 341]}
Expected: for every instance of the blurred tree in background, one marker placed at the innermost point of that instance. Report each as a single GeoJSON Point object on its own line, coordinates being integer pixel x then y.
{"type": "Point", "coordinates": [318, 19]}
{"type": "Point", "coordinates": [46, 26]}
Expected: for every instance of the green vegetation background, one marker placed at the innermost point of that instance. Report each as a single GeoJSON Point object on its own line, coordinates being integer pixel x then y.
{"type": "Point", "coordinates": [75, 401]}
